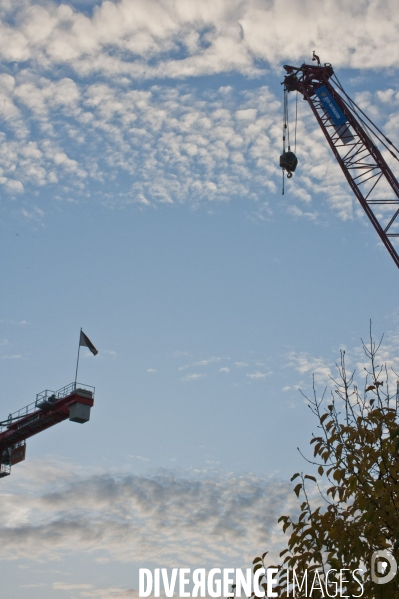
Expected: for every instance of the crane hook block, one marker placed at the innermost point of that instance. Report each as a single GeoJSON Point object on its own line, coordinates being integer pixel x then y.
{"type": "Point", "coordinates": [288, 162]}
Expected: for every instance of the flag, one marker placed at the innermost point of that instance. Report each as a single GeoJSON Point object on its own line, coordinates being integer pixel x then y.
{"type": "Point", "coordinates": [85, 341]}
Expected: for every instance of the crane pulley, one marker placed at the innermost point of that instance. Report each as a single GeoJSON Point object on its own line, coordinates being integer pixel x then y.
{"type": "Point", "coordinates": [288, 160]}
{"type": "Point", "coordinates": [352, 137]}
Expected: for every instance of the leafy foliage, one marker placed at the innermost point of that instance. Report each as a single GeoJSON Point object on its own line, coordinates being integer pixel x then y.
{"type": "Point", "coordinates": [356, 511]}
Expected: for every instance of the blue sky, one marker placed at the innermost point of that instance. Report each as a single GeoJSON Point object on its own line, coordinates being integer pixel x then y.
{"type": "Point", "coordinates": [141, 200]}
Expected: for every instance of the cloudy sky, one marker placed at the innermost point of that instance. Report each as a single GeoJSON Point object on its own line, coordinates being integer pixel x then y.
{"type": "Point", "coordinates": [141, 200]}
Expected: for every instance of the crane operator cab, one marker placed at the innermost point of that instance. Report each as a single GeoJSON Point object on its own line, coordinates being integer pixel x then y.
{"type": "Point", "coordinates": [288, 162]}
{"type": "Point", "coordinates": [11, 456]}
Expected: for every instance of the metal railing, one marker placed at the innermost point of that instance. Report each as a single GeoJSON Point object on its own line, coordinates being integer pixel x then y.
{"type": "Point", "coordinates": [43, 397]}
{"type": "Point", "coordinates": [21, 413]}
{"type": "Point", "coordinates": [53, 396]}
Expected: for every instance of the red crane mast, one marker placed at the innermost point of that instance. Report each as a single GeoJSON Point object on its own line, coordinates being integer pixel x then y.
{"type": "Point", "coordinates": [351, 139]}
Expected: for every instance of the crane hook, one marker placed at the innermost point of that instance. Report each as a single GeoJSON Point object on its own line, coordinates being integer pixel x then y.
{"type": "Point", "coordinates": [288, 162]}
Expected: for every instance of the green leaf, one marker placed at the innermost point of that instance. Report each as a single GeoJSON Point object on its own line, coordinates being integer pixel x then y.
{"type": "Point", "coordinates": [264, 555]}
{"type": "Point", "coordinates": [295, 476]}
{"type": "Point", "coordinates": [257, 567]}
{"type": "Point", "coordinates": [256, 560]}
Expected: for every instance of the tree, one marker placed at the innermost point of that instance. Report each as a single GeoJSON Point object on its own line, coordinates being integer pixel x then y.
{"type": "Point", "coordinates": [356, 511]}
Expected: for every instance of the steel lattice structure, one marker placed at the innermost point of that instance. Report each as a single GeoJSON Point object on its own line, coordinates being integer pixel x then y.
{"type": "Point", "coordinates": [362, 163]}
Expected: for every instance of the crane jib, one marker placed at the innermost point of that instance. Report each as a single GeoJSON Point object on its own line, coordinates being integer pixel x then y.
{"type": "Point", "coordinates": [74, 401]}
{"type": "Point", "coordinates": [354, 145]}
{"type": "Point", "coordinates": [333, 110]}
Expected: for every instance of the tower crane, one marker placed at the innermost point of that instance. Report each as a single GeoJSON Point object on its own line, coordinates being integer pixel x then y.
{"type": "Point", "coordinates": [352, 137]}
{"type": "Point", "coordinates": [74, 401]}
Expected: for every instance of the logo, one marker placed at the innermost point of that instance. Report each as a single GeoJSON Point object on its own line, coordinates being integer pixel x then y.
{"type": "Point", "coordinates": [383, 567]}
{"type": "Point", "coordinates": [217, 582]}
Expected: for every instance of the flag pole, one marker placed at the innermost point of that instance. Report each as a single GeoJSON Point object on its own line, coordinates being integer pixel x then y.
{"type": "Point", "coordinates": [77, 361]}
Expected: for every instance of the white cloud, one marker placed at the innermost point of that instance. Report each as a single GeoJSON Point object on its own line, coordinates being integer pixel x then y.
{"type": "Point", "coordinates": [224, 369]}
{"type": "Point", "coordinates": [207, 361]}
{"type": "Point", "coordinates": [110, 593]}
{"type": "Point", "coordinates": [63, 586]}
{"type": "Point", "coordinates": [388, 355]}
{"type": "Point", "coordinates": [297, 212]}
{"type": "Point", "coordinates": [139, 457]}
{"type": "Point", "coordinates": [79, 120]}
{"type": "Point", "coordinates": [163, 517]}
{"type": "Point", "coordinates": [304, 363]}
{"type": "Point", "coordinates": [258, 375]}
{"type": "Point", "coordinates": [157, 38]}
{"type": "Point", "coordinates": [194, 376]}
{"type": "Point", "coordinates": [174, 144]}
{"type": "Point", "coordinates": [36, 214]}
{"type": "Point", "coordinates": [13, 322]}
{"type": "Point", "coordinates": [204, 362]}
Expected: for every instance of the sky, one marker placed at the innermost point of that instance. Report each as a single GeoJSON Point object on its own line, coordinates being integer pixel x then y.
{"type": "Point", "coordinates": [141, 200]}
